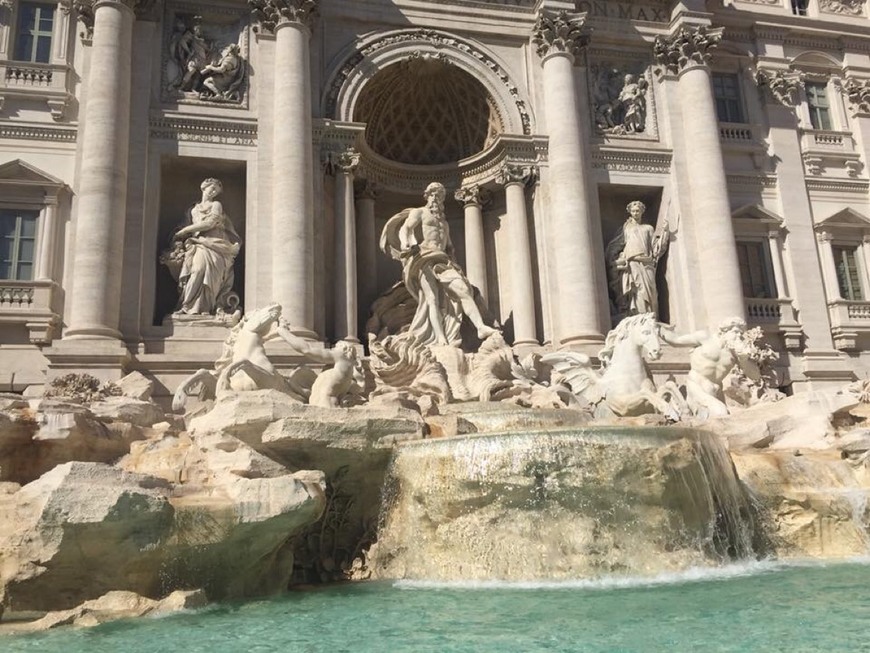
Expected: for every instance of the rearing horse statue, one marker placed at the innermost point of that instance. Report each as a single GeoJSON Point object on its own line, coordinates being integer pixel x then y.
{"type": "Point", "coordinates": [624, 387]}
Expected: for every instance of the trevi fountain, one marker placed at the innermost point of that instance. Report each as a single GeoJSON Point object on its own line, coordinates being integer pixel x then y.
{"type": "Point", "coordinates": [441, 460]}
{"type": "Point", "coordinates": [603, 451]}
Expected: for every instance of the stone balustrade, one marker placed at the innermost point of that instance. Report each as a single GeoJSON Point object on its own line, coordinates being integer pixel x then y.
{"type": "Point", "coordinates": [776, 315]}
{"type": "Point", "coordinates": [848, 320]}
{"type": "Point", "coordinates": [40, 82]}
{"type": "Point", "coordinates": [35, 304]}
{"type": "Point", "coordinates": [734, 132]}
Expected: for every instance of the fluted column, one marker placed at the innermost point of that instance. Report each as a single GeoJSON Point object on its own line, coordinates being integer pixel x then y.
{"type": "Point", "coordinates": [344, 164]}
{"type": "Point", "coordinates": [292, 169]}
{"type": "Point", "coordinates": [472, 199]}
{"type": "Point", "coordinates": [95, 300]}
{"type": "Point", "coordinates": [558, 38]}
{"type": "Point", "coordinates": [687, 53]}
{"type": "Point", "coordinates": [366, 248]}
{"type": "Point", "coordinates": [515, 178]}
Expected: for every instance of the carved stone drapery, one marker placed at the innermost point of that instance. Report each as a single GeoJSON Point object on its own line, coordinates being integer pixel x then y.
{"type": "Point", "coordinates": [780, 86]}
{"type": "Point", "coordinates": [270, 13]}
{"type": "Point", "coordinates": [559, 33]}
{"type": "Point", "coordinates": [848, 7]}
{"type": "Point", "coordinates": [688, 47]}
{"type": "Point", "coordinates": [858, 93]}
{"type": "Point", "coordinates": [516, 173]}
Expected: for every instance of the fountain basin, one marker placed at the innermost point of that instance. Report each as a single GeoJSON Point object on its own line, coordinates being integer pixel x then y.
{"type": "Point", "coordinates": [561, 503]}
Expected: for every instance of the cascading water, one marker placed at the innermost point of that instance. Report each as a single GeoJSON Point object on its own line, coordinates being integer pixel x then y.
{"type": "Point", "coordinates": [573, 502]}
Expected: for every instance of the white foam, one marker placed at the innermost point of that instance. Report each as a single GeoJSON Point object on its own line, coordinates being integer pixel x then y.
{"type": "Point", "coordinates": [692, 575]}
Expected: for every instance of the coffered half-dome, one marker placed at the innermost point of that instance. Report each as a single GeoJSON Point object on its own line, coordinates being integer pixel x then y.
{"type": "Point", "coordinates": [425, 111]}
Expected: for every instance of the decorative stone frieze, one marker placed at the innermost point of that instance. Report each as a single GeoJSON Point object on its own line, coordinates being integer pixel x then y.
{"type": "Point", "coordinates": [688, 47]}
{"type": "Point", "coordinates": [780, 86]}
{"type": "Point", "coordinates": [847, 7]}
{"type": "Point", "coordinates": [204, 131]}
{"type": "Point", "coordinates": [560, 33]}
{"type": "Point", "coordinates": [268, 14]}
{"type": "Point", "coordinates": [858, 93]}
{"type": "Point", "coordinates": [516, 173]}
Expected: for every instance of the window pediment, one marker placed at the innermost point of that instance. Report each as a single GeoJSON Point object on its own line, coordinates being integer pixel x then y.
{"type": "Point", "coordinates": [21, 173]}
{"type": "Point", "coordinates": [848, 218]}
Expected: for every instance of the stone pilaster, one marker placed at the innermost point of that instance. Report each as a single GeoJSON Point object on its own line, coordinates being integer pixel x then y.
{"type": "Point", "coordinates": [579, 272]}
{"type": "Point", "coordinates": [687, 54]}
{"type": "Point", "coordinates": [515, 178]}
{"type": "Point", "coordinates": [292, 169]}
{"type": "Point", "coordinates": [472, 199]}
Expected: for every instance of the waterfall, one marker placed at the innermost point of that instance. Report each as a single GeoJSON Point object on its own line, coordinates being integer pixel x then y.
{"type": "Point", "coordinates": [570, 502]}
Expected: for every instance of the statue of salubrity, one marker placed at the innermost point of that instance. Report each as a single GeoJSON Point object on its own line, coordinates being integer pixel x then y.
{"type": "Point", "coordinates": [632, 259]}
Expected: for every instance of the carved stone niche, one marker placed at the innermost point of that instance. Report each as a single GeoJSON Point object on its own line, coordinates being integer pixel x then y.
{"type": "Point", "coordinates": [205, 55]}
{"type": "Point", "coordinates": [621, 98]}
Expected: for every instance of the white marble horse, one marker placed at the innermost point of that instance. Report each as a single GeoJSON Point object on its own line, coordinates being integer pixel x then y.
{"type": "Point", "coordinates": [624, 386]}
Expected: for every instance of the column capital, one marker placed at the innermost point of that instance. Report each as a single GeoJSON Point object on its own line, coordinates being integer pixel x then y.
{"type": "Point", "coordinates": [560, 33]}
{"type": "Point", "coordinates": [824, 236]}
{"type": "Point", "coordinates": [516, 173]}
{"type": "Point", "coordinates": [85, 12]}
{"type": "Point", "coordinates": [367, 190]}
{"type": "Point", "coordinates": [472, 195]}
{"type": "Point", "coordinates": [270, 14]}
{"type": "Point", "coordinates": [780, 86]}
{"type": "Point", "coordinates": [344, 161]}
{"type": "Point", "coordinates": [688, 47]}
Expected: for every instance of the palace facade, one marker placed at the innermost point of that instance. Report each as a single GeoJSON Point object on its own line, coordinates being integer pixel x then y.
{"type": "Point", "coordinates": [743, 126]}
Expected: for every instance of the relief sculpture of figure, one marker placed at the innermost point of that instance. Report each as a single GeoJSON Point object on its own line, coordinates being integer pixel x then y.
{"type": "Point", "coordinates": [206, 250]}
{"type": "Point", "coordinates": [632, 97]}
{"type": "Point", "coordinates": [188, 50]}
{"type": "Point", "coordinates": [419, 238]}
{"type": "Point", "coordinates": [223, 80]}
{"type": "Point", "coordinates": [632, 257]}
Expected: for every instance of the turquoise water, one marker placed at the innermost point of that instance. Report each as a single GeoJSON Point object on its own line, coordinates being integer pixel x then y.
{"type": "Point", "coordinates": [756, 607]}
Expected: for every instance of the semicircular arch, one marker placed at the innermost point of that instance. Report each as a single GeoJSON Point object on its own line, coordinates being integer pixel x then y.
{"type": "Point", "coordinates": [358, 64]}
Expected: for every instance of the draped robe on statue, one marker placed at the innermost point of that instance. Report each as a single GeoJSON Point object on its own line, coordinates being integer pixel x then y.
{"type": "Point", "coordinates": [439, 267]}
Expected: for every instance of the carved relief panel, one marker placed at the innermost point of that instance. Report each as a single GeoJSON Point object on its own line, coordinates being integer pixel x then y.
{"type": "Point", "coordinates": [620, 97]}
{"type": "Point", "coordinates": [205, 55]}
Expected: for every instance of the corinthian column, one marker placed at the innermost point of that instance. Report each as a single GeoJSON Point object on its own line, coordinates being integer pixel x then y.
{"type": "Point", "coordinates": [472, 201]}
{"type": "Point", "coordinates": [95, 302]}
{"type": "Point", "coordinates": [344, 164]}
{"type": "Point", "coordinates": [558, 38]}
{"type": "Point", "coordinates": [292, 163]}
{"type": "Point", "coordinates": [515, 178]}
{"type": "Point", "coordinates": [687, 54]}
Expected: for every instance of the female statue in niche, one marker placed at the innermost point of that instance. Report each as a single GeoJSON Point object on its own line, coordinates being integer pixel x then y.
{"type": "Point", "coordinates": [201, 257]}
{"type": "Point", "coordinates": [632, 257]}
